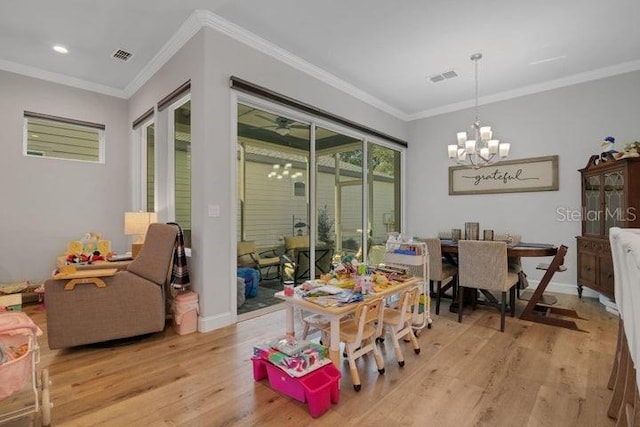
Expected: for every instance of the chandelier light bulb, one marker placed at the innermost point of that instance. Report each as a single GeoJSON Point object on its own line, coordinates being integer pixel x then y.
{"type": "Point", "coordinates": [504, 149]}
{"type": "Point", "coordinates": [470, 146]}
{"type": "Point", "coordinates": [492, 145]}
{"type": "Point", "coordinates": [485, 133]}
{"type": "Point", "coordinates": [453, 151]}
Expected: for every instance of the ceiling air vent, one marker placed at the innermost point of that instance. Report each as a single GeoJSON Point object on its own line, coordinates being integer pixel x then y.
{"type": "Point", "coordinates": [122, 55]}
{"type": "Point", "coordinates": [446, 75]}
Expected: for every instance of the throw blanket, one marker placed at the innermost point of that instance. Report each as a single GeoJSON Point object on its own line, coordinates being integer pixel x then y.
{"type": "Point", "coordinates": [180, 273]}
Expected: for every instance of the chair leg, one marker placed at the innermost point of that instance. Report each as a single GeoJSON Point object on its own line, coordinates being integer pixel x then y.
{"type": "Point", "coordinates": [438, 292]}
{"type": "Point", "coordinates": [353, 369]}
{"type": "Point", "coordinates": [616, 359]}
{"type": "Point", "coordinates": [412, 337]}
{"type": "Point", "coordinates": [460, 293]}
{"type": "Point", "coordinates": [512, 300]}
{"type": "Point", "coordinates": [455, 287]}
{"type": "Point", "coordinates": [305, 331]}
{"type": "Point", "coordinates": [621, 373]}
{"type": "Point", "coordinates": [378, 356]}
{"type": "Point", "coordinates": [503, 304]}
{"type": "Point", "coordinates": [396, 346]}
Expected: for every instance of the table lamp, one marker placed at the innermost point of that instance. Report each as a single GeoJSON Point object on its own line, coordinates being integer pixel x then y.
{"type": "Point", "coordinates": [136, 224]}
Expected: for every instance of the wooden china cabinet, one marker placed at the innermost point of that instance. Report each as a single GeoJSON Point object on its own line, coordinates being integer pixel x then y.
{"type": "Point", "coordinates": [610, 198]}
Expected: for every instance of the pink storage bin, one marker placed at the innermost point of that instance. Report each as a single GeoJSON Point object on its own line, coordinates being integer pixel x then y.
{"type": "Point", "coordinates": [318, 388]}
{"type": "Point", "coordinates": [259, 368]}
{"type": "Point", "coordinates": [282, 382]}
{"type": "Point", "coordinates": [185, 313]}
{"type": "Point", "coordinates": [322, 387]}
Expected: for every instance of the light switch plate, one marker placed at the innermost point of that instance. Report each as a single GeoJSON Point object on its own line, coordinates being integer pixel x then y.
{"type": "Point", "coordinates": [214, 211]}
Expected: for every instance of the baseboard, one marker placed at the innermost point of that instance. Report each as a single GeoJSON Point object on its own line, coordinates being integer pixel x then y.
{"type": "Point", "coordinates": [565, 288]}
{"type": "Point", "coordinates": [211, 323]}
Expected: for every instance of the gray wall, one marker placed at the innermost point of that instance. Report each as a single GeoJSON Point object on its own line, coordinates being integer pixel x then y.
{"type": "Point", "coordinates": [210, 59]}
{"type": "Point", "coordinates": [569, 122]}
{"type": "Point", "coordinates": [48, 202]}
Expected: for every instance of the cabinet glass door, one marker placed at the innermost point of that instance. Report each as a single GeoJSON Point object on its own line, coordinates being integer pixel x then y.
{"type": "Point", "coordinates": [613, 200]}
{"type": "Point", "coordinates": [592, 212]}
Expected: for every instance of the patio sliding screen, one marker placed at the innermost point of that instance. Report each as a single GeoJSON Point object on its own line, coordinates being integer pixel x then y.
{"type": "Point", "coordinates": [355, 195]}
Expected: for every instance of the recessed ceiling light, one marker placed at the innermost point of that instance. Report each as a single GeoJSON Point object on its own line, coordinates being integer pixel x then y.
{"type": "Point", "coordinates": [60, 49]}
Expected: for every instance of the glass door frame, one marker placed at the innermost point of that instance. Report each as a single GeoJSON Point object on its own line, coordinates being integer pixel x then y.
{"type": "Point", "coordinates": [314, 122]}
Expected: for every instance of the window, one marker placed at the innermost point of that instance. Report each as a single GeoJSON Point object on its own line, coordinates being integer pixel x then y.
{"type": "Point", "coordinates": [62, 138]}
{"type": "Point", "coordinates": [180, 131]}
{"type": "Point", "coordinates": [299, 189]}
{"type": "Point", "coordinates": [148, 141]}
{"type": "Point", "coordinates": [144, 161]}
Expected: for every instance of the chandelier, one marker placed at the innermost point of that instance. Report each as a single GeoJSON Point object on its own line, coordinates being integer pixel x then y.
{"type": "Point", "coordinates": [283, 171]}
{"type": "Point", "coordinates": [482, 150]}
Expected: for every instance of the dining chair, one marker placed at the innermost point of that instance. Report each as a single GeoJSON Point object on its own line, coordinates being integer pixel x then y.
{"type": "Point", "coordinates": [482, 265]}
{"type": "Point", "coordinates": [397, 321]}
{"type": "Point", "coordinates": [268, 263]}
{"type": "Point", "coordinates": [515, 262]}
{"type": "Point", "coordinates": [441, 274]}
{"type": "Point", "coordinates": [359, 336]}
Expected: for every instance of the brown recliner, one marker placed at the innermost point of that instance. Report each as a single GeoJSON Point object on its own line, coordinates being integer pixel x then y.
{"type": "Point", "coordinates": [131, 304]}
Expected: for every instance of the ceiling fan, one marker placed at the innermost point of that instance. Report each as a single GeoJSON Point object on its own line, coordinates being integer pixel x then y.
{"type": "Point", "coordinates": [281, 125]}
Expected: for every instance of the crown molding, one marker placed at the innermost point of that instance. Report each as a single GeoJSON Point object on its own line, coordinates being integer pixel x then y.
{"type": "Point", "coordinates": [587, 76]}
{"type": "Point", "coordinates": [63, 79]}
{"type": "Point", "coordinates": [252, 40]}
{"type": "Point", "coordinates": [188, 29]}
{"type": "Point", "coordinates": [201, 18]}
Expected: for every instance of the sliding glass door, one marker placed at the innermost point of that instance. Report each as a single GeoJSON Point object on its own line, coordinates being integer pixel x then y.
{"type": "Point", "coordinates": [383, 195]}
{"type": "Point", "coordinates": [338, 194]}
{"type": "Point", "coordinates": [336, 191]}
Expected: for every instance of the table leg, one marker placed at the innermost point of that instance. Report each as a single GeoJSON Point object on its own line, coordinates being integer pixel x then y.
{"type": "Point", "coordinates": [334, 346]}
{"type": "Point", "coordinates": [290, 331]}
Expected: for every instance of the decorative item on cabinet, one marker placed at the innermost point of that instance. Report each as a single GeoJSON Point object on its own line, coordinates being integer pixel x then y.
{"type": "Point", "coordinates": [610, 198]}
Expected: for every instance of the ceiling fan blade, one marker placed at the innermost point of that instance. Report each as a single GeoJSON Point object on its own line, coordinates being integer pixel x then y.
{"type": "Point", "coordinates": [269, 119]}
{"type": "Point", "coordinates": [299, 126]}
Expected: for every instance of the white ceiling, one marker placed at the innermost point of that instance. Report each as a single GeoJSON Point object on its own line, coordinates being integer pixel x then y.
{"type": "Point", "coordinates": [381, 51]}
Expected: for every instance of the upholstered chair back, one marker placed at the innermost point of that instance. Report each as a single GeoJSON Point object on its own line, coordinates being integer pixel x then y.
{"type": "Point", "coordinates": [483, 265]}
{"type": "Point", "coordinates": [154, 260]}
{"type": "Point", "coordinates": [435, 257]}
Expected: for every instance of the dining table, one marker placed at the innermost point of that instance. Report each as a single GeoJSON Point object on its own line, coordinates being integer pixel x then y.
{"type": "Point", "coordinates": [537, 309]}
{"type": "Point", "coordinates": [335, 313]}
{"type": "Point", "coordinates": [521, 249]}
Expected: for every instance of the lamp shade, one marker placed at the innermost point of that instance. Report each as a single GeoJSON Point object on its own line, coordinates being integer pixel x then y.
{"type": "Point", "coordinates": [136, 223]}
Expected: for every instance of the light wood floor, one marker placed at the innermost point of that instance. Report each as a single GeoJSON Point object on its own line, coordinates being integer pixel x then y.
{"type": "Point", "coordinates": [467, 374]}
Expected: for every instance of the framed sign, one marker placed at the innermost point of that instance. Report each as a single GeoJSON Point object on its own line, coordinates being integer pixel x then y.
{"type": "Point", "coordinates": [509, 176]}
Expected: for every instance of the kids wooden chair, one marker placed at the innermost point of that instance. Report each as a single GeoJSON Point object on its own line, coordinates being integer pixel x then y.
{"type": "Point", "coordinates": [397, 321]}
{"type": "Point", "coordinates": [359, 336]}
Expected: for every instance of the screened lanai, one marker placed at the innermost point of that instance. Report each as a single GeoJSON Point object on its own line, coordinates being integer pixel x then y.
{"type": "Point", "coordinates": [276, 191]}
